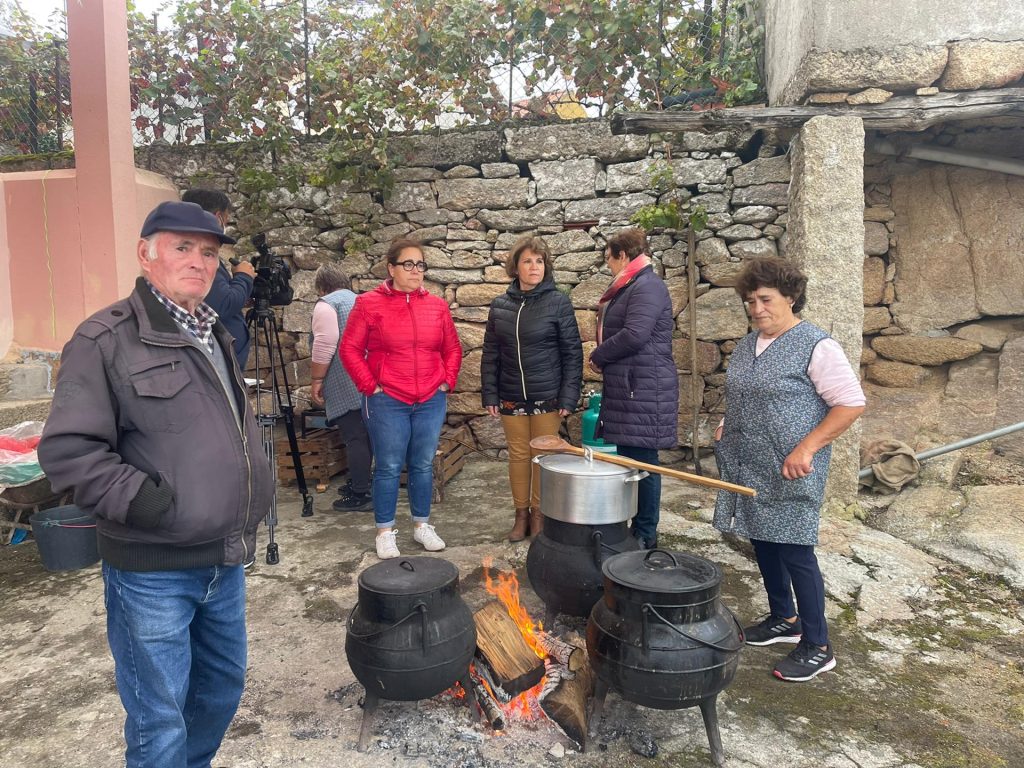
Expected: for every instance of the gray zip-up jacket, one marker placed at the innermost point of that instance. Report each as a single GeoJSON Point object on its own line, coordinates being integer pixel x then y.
{"type": "Point", "coordinates": [142, 429]}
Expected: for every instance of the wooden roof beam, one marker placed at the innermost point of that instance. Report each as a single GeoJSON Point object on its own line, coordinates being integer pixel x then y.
{"type": "Point", "coordinates": [900, 113]}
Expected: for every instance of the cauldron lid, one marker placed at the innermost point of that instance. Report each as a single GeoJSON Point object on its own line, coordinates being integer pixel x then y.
{"type": "Point", "coordinates": [659, 570]}
{"type": "Point", "coordinates": [577, 466]}
{"type": "Point", "coordinates": [408, 576]}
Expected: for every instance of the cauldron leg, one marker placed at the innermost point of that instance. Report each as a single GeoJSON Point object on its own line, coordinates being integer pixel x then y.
{"type": "Point", "coordinates": [467, 686]}
{"type": "Point", "coordinates": [710, 713]}
{"type": "Point", "coordinates": [600, 691]}
{"type": "Point", "coordinates": [369, 708]}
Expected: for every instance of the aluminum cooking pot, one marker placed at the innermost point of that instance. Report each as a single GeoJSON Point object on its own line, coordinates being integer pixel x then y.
{"type": "Point", "coordinates": [575, 490]}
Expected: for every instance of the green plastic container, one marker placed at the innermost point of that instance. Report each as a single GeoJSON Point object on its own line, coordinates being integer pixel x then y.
{"type": "Point", "coordinates": [590, 417]}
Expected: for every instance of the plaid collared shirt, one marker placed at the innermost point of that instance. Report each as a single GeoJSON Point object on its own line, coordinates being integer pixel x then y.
{"type": "Point", "coordinates": [199, 325]}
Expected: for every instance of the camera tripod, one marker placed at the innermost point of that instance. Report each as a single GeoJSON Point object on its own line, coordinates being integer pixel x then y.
{"type": "Point", "coordinates": [263, 325]}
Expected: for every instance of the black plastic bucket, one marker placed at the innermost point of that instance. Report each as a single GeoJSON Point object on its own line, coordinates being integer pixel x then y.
{"type": "Point", "coordinates": [66, 537]}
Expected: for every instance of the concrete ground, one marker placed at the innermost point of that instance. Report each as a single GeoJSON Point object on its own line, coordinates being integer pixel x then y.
{"type": "Point", "coordinates": [930, 658]}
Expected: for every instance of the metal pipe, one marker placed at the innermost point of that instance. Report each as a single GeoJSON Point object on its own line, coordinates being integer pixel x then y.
{"type": "Point", "coordinates": [932, 452]}
{"type": "Point", "coordinates": [950, 156]}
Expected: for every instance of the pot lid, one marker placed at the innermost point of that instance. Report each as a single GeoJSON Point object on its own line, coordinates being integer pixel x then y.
{"type": "Point", "coordinates": [658, 570]}
{"type": "Point", "coordinates": [408, 576]}
{"type": "Point", "coordinates": [577, 466]}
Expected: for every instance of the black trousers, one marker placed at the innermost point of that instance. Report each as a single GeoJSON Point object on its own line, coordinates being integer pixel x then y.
{"type": "Point", "coordinates": [357, 448]}
{"type": "Point", "coordinates": [793, 568]}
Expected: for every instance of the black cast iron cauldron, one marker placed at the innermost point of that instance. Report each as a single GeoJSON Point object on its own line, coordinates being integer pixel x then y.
{"type": "Point", "coordinates": [661, 637]}
{"type": "Point", "coordinates": [410, 636]}
{"type": "Point", "coordinates": [564, 563]}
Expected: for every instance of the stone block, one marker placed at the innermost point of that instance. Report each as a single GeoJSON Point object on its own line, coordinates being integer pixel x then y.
{"type": "Point", "coordinates": [876, 318]}
{"type": "Point", "coordinates": [461, 172]}
{"type": "Point", "coordinates": [888, 373]}
{"type": "Point", "coordinates": [876, 239]}
{"type": "Point", "coordinates": [587, 322]}
{"type": "Point", "coordinates": [499, 170]}
{"type": "Point", "coordinates": [713, 250]}
{"type": "Point", "coordinates": [466, 403]}
{"type": "Point", "coordinates": [585, 139]}
{"type": "Point", "coordinates": [709, 356]}
{"type": "Point", "coordinates": [754, 214]}
{"type": "Point", "coordinates": [991, 339]}
{"type": "Point", "coordinates": [722, 275]}
{"type": "Point", "coordinates": [763, 170]}
{"type": "Point", "coordinates": [720, 316]}
{"type": "Point", "coordinates": [578, 262]}
{"type": "Point", "coordinates": [1010, 397]}
{"type": "Point", "coordinates": [712, 202]}
{"type": "Point", "coordinates": [612, 209]}
{"type": "Point", "coordinates": [412, 196]}
{"type": "Point", "coordinates": [445, 150]}
{"type": "Point", "coordinates": [460, 194]}
{"type": "Point", "coordinates": [570, 240]}
{"type": "Point", "coordinates": [587, 294]}
{"type": "Point", "coordinates": [975, 64]}
{"type": "Point", "coordinates": [429, 234]}
{"type": "Point", "coordinates": [925, 350]}
{"type": "Point", "coordinates": [416, 174]}
{"type": "Point", "coordinates": [739, 232]}
{"type": "Point", "coordinates": [546, 213]}
{"type": "Point", "coordinates": [469, 373]}
{"type": "Point", "coordinates": [479, 294]}
{"type": "Point", "coordinates": [389, 233]}
{"type": "Point", "coordinates": [869, 96]}
{"type": "Point", "coordinates": [639, 176]}
{"type": "Point", "coordinates": [754, 249]}
{"type": "Point", "coordinates": [565, 179]}
{"type": "Point", "coordinates": [874, 281]}
{"type": "Point", "coordinates": [761, 194]}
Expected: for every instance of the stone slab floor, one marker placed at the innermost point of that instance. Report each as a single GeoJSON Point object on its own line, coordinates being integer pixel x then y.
{"type": "Point", "coordinates": [930, 656]}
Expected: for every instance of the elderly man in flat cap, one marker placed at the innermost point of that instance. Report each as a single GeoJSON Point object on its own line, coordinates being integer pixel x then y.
{"type": "Point", "coordinates": [152, 429]}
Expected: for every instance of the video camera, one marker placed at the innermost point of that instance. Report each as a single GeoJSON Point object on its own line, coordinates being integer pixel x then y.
{"type": "Point", "coordinates": [271, 286]}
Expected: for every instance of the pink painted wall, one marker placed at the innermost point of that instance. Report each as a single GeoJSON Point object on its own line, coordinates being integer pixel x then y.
{"type": "Point", "coordinates": [6, 311]}
{"type": "Point", "coordinates": [56, 278]}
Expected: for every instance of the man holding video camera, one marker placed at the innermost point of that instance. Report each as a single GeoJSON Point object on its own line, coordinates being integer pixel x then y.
{"type": "Point", "coordinates": [231, 290]}
{"type": "Point", "coordinates": [151, 427]}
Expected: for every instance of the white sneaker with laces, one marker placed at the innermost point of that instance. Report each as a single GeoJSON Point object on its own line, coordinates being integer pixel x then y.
{"type": "Point", "coordinates": [427, 536]}
{"type": "Point", "coordinates": [387, 547]}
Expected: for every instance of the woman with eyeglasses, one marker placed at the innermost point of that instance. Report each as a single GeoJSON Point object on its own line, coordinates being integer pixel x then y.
{"type": "Point", "coordinates": [401, 350]}
{"type": "Point", "coordinates": [531, 371]}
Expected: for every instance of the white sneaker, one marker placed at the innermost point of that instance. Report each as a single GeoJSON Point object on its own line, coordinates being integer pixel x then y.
{"type": "Point", "coordinates": [387, 547]}
{"type": "Point", "coordinates": [427, 536]}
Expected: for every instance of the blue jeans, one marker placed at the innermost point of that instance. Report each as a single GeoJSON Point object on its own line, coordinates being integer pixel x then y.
{"type": "Point", "coordinates": [403, 434]}
{"type": "Point", "coordinates": [793, 568]}
{"type": "Point", "coordinates": [178, 641]}
{"type": "Point", "coordinates": [648, 494]}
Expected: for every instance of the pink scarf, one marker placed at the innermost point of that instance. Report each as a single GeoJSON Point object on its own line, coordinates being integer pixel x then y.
{"type": "Point", "coordinates": [621, 281]}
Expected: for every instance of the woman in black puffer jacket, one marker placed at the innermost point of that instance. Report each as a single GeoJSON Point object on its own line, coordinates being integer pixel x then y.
{"type": "Point", "coordinates": [532, 369]}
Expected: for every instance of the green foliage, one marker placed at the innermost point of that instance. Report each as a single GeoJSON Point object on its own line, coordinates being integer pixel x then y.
{"type": "Point", "coordinates": [665, 215]}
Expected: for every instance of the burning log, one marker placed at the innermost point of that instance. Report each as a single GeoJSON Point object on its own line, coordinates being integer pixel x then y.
{"type": "Point", "coordinates": [488, 705]}
{"type": "Point", "coordinates": [565, 695]}
{"type": "Point", "coordinates": [570, 656]}
{"type": "Point", "coordinates": [500, 642]}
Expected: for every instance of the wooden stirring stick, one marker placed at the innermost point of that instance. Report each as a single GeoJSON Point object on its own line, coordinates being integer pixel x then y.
{"type": "Point", "coordinates": [555, 444]}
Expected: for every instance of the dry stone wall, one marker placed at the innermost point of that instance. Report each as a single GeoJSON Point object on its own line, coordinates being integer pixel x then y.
{"type": "Point", "coordinates": [468, 196]}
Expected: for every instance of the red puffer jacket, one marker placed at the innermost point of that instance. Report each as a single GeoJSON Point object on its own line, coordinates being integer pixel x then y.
{"type": "Point", "coordinates": [405, 342]}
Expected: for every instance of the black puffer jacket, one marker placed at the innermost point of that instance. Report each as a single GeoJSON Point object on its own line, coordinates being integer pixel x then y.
{"type": "Point", "coordinates": [532, 348]}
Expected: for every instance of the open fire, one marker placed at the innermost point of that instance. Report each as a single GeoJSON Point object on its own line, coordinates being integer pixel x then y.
{"type": "Point", "coordinates": [522, 673]}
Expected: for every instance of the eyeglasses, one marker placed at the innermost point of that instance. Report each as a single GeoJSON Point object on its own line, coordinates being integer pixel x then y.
{"type": "Point", "coordinates": [409, 266]}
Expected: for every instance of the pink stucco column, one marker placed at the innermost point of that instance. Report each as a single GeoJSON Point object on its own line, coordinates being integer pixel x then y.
{"type": "Point", "coordinates": [104, 156]}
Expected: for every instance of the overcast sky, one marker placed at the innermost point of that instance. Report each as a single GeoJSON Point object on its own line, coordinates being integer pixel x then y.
{"type": "Point", "coordinates": [42, 9]}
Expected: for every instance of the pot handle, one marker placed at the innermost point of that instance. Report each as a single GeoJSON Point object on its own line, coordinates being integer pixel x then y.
{"type": "Point", "coordinates": [669, 555]}
{"type": "Point", "coordinates": [647, 608]}
{"type": "Point", "coordinates": [419, 608]}
{"type": "Point", "coordinates": [637, 477]}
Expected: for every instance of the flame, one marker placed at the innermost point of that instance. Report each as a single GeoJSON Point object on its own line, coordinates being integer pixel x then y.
{"type": "Point", "coordinates": [506, 589]}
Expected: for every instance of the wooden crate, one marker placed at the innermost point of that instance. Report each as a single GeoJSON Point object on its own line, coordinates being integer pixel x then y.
{"type": "Point", "coordinates": [322, 456]}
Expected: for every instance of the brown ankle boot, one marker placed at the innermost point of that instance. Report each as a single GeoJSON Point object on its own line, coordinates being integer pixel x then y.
{"type": "Point", "coordinates": [536, 521]}
{"type": "Point", "coordinates": [518, 532]}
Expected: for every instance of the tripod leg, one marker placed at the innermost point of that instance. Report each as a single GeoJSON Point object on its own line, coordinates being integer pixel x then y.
{"type": "Point", "coordinates": [369, 708]}
{"type": "Point", "coordinates": [600, 692]}
{"type": "Point", "coordinates": [258, 320]}
{"type": "Point", "coordinates": [287, 411]}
